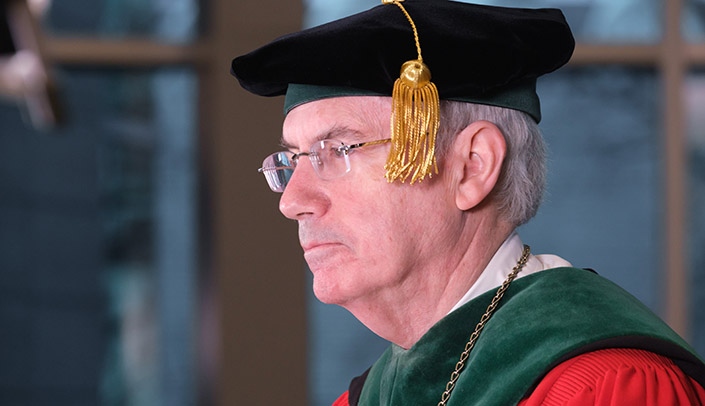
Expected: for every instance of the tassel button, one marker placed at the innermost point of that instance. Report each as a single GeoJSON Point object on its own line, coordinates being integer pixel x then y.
{"type": "Point", "coordinates": [415, 74]}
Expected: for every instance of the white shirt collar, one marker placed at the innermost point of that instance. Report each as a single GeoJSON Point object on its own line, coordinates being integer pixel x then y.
{"type": "Point", "coordinates": [502, 264]}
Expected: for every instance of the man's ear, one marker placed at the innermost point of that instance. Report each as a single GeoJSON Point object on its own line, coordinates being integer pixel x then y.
{"type": "Point", "coordinates": [477, 156]}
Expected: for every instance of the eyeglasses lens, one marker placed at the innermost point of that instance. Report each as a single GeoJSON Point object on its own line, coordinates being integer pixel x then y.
{"type": "Point", "coordinates": [332, 161]}
{"type": "Point", "coordinates": [280, 167]}
{"type": "Point", "coordinates": [329, 159]}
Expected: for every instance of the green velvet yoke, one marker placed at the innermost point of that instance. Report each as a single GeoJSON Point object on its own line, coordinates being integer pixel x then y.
{"type": "Point", "coordinates": [544, 319]}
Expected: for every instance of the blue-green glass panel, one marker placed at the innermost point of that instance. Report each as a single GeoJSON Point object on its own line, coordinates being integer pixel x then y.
{"type": "Point", "coordinates": [98, 243]}
{"type": "Point", "coordinates": [695, 97]}
{"type": "Point", "coordinates": [693, 27]}
{"type": "Point", "coordinates": [594, 21]}
{"type": "Point", "coordinates": [603, 207]}
{"type": "Point", "coordinates": [174, 21]}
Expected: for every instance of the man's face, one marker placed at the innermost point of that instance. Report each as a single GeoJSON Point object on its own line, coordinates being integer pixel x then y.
{"type": "Point", "coordinates": [363, 238]}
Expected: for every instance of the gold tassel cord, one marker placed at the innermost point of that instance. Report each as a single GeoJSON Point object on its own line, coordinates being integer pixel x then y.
{"type": "Point", "coordinates": [413, 26]}
{"type": "Point", "coordinates": [414, 127]}
{"type": "Point", "coordinates": [415, 119]}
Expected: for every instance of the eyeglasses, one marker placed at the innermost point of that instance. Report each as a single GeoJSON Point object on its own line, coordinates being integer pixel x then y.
{"type": "Point", "coordinates": [330, 160]}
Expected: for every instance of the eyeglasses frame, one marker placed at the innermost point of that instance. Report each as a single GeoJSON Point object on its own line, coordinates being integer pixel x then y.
{"type": "Point", "coordinates": [345, 149]}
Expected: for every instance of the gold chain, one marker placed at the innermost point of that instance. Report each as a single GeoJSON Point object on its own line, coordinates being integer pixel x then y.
{"type": "Point", "coordinates": [478, 328]}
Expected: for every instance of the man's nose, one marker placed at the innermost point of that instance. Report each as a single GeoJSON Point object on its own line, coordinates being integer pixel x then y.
{"type": "Point", "coordinates": [304, 194]}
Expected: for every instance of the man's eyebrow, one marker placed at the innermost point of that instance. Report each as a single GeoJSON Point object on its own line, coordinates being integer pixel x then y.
{"type": "Point", "coordinates": [334, 132]}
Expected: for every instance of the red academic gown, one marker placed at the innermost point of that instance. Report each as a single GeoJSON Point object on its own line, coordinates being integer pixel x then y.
{"type": "Point", "coordinates": [611, 377]}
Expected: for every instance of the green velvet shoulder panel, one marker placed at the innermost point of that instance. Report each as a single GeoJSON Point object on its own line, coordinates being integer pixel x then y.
{"type": "Point", "coordinates": [543, 319]}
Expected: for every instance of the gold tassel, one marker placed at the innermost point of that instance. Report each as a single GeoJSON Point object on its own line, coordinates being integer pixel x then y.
{"type": "Point", "coordinates": [415, 119]}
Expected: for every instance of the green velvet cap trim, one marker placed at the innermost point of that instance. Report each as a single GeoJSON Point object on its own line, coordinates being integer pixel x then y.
{"type": "Point", "coordinates": [520, 97]}
{"type": "Point", "coordinates": [297, 94]}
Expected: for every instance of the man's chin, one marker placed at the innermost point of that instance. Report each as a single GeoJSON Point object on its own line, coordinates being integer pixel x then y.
{"type": "Point", "coordinates": [329, 294]}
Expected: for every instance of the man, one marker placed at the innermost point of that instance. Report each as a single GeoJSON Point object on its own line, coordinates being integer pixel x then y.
{"type": "Point", "coordinates": [407, 189]}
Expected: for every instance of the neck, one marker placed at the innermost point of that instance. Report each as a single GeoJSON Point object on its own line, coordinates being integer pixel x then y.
{"type": "Point", "coordinates": [402, 315]}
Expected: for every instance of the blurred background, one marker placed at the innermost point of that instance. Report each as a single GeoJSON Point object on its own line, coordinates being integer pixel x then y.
{"type": "Point", "coordinates": [143, 260]}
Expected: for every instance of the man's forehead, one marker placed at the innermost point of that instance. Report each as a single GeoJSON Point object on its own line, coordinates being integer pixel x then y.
{"type": "Point", "coordinates": [350, 118]}
{"type": "Point", "coordinates": [303, 139]}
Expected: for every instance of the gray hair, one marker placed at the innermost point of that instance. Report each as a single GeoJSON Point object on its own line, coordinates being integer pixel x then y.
{"type": "Point", "coordinates": [522, 181]}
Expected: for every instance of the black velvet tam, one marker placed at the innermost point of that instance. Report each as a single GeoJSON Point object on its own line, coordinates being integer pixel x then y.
{"type": "Point", "coordinates": [474, 52]}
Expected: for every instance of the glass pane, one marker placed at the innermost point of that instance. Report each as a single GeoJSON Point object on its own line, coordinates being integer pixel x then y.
{"type": "Point", "coordinates": [694, 20]}
{"type": "Point", "coordinates": [97, 244]}
{"type": "Point", "coordinates": [596, 21]}
{"type": "Point", "coordinates": [695, 96]}
{"type": "Point", "coordinates": [602, 209]}
{"type": "Point", "coordinates": [604, 21]}
{"type": "Point", "coordinates": [168, 20]}
{"type": "Point", "coordinates": [321, 11]}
